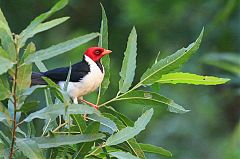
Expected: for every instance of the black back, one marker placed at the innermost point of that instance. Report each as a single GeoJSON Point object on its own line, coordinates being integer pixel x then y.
{"type": "Point", "coordinates": [79, 70]}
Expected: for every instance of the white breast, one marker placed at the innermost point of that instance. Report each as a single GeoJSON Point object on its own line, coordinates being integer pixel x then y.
{"type": "Point", "coordinates": [88, 84]}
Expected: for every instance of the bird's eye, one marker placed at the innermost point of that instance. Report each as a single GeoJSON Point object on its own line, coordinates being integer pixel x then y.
{"type": "Point", "coordinates": [97, 52]}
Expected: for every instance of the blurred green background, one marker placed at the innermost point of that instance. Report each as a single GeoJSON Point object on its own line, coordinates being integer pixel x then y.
{"type": "Point", "coordinates": [211, 130]}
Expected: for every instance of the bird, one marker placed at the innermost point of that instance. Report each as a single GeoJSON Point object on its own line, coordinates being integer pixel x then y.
{"type": "Point", "coordinates": [86, 75]}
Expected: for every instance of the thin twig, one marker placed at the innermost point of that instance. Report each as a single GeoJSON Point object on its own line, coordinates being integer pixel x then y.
{"type": "Point", "coordinates": [15, 102]}
{"type": "Point", "coordinates": [99, 147]}
{"type": "Point", "coordinates": [44, 131]}
{"type": "Point", "coordinates": [59, 127]}
{"type": "Point", "coordinates": [118, 96]}
{"type": "Point", "coordinates": [20, 122]}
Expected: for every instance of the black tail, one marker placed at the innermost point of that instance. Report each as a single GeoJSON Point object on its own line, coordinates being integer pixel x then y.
{"type": "Point", "coordinates": [37, 79]}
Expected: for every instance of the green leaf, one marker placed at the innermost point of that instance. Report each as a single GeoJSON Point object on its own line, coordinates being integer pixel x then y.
{"type": "Point", "coordinates": [5, 115]}
{"type": "Point", "coordinates": [132, 143]}
{"type": "Point", "coordinates": [25, 71]}
{"type": "Point", "coordinates": [80, 122]}
{"type": "Point", "coordinates": [27, 33]}
{"type": "Point", "coordinates": [6, 37]}
{"type": "Point", "coordinates": [5, 65]}
{"type": "Point", "coordinates": [103, 42]}
{"type": "Point", "coordinates": [129, 132]}
{"type": "Point", "coordinates": [29, 106]}
{"type": "Point", "coordinates": [29, 148]}
{"type": "Point", "coordinates": [59, 48]}
{"type": "Point", "coordinates": [84, 148]}
{"type": "Point", "coordinates": [119, 115]}
{"type": "Point", "coordinates": [31, 48]}
{"type": "Point", "coordinates": [188, 78]}
{"type": "Point", "coordinates": [7, 43]}
{"type": "Point", "coordinates": [5, 139]}
{"type": "Point", "coordinates": [3, 53]}
{"type": "Point", "coordinates": [103, 38]}
{"type": "Point", "coordinates": [1, 146]}
{"type": "Point", "coordinates": [30, 90]}
{"type": "Point", "coordinates": [3, 19]}
{"type": "Point", "coordinates": [4, 87]}
{"type": "Point", "coordinates": [155, 149]}
{"type": "Point", "coordinates": [227, 61]}
{"type": "Point", "coordinates": [170, 63]}
{"type": "Point", "coordinates": [123, 155]}
{"type": "Point", "coordinates": [44, 26]}
{"type": "Point", "coordinates": [103, 121]}
{"type": "Point", "coordinates": [68, 79]}
{"type": "Point", "coordinates": [47, 142]}
{"type": "Point", "coordinates": [40, 65]}
{"type": "Point", "coordinates": [151, 98]}
{"type": "Point", "coordinates": [59, 109]}
{"type": "Point", "coordinates": [129, 63]}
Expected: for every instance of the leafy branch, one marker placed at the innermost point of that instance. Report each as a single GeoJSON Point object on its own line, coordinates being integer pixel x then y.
{"type": "Point", "coordinates": [65, 132]}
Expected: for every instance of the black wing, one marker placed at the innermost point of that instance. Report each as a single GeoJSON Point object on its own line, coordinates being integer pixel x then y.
{"type": "Point", "coordinates": [79, 70]}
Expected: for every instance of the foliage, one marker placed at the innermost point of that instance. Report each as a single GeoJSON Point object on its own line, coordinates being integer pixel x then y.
{"type": "Point", "coordinates": [107, 133]}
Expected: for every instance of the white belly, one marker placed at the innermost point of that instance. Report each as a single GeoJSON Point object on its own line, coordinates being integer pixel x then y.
{"type": "Point", "coordinates": [88, 84]}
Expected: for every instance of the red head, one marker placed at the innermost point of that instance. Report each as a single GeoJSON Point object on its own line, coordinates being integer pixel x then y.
{"type": "Point", "coordinates": [96, 53]}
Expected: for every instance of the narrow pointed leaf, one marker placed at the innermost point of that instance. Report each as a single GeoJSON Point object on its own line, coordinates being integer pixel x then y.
{"type": "Point", "coordinates": [188, 78]}
{"type": "Point", "coordinates": [25, 71]}
{"type": "Point", "coordinates": [26, 33]}
{"type": "Point", "coordinates": [123, 155]}
{"type": "Point", "coordinates": [3, 53]}
{"type": "Point", "coordinates": [129, 132]}
{"type": "Point", "coordinates": [30, 90]}
{"type": "Point", "coordinates": [47, 142]}
{"type": "Point", "coordinates": [6, 37]}
{"type": "Point", "coordinates": [7, 42]}
{"type": "Point", "coordinates": [155, 149]}
{"type": "Point", "coordinates": [59, 109]}
{"type": "Point", "coordinates": [129, 63]}
{"type": "Point", "coordinates": [170, 63]}
{"type": "Point", "coordinates": [103, 42]}
{"type": "Point", "coordinates": [103, 121]}
{"type": "Point", "coordinates": [151, 98]}
{"type": "Point", "coordinates": [5, 114]}
{"type": "Point", "coordinates": [123, 118]}
{"type": "Point", "coordinates": [5, 65]}
{"type": "Point", "coordinates": [84, 148]}
{"type": "Point", "coordinates": [132, 143]}
{"type": "Point", "coordinates": [4, 87]}
{"type": "Point", "coordinates": [40, 65]}
{"type": "Point", "coordinates": [59, 48]}
{"type": "Point", "coordinates": [226, 61]}
{"type": "Point", "coordinates": [43, 27]}
{"type": "Point", "coordinates": [3, 117]}
{"type": "Point", "coordinates": [80, 122]}
{"type": "Point", "coordinates": [2, 18]}
{"type": "Point", "coordinates": [29, 106]}
{"type": "Point", "coordinates": [29, 148]}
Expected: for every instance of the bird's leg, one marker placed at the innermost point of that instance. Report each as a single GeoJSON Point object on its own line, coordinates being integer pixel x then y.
{"type": "Point", "coordinates": [89, 103]}
{"type": "Point", "coordinates": [75, 100]}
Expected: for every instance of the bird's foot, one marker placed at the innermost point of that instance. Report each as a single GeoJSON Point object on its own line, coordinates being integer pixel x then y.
{"type": "Point", "coordinates": [89, 103]}
{"type": "Point", "coordinates": [85, 117]}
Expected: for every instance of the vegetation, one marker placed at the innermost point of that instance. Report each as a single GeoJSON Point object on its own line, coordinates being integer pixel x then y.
{"type": "Point", "coordinates": [58, 130]}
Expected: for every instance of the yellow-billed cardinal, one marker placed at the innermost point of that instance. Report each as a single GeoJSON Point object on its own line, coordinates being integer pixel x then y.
{"type": "Point", "coordinates": [86, 76]}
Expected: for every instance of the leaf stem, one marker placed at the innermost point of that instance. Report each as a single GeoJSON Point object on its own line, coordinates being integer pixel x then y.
{"type": "Point", "coordinates": [99, 94]}
{"type": "Point", "coordinates": [118, 96]}
{"type": "Point", "coordinates": [99, 147]}
{"type": "Point", "coordinates": [60, 126]}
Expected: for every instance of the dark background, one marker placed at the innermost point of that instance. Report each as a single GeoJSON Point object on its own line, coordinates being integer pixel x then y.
{"type": "Point", "coordinates": [210, 130]}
